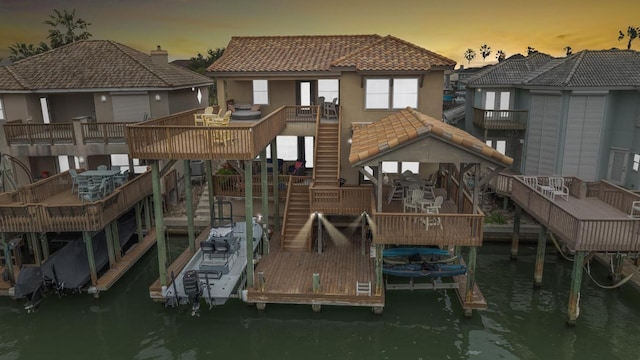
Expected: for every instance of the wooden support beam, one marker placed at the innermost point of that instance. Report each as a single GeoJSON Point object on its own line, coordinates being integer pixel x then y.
{"type": "Point", "coordinates": [116, 240]}
{"type": "Point", "coordinates": [618, 267]}
{"type": "Point", "coordinates": [7, 256]}
{"type": "Point", "coordinates": [368, 175]}
{"type": "Point", "coordinates": [378, 263]}
{"type": "Point", "coordinates": [160, 238]}
{"type": "Point", "coordinates": [264, 179]}
{"type": "Point", "coordinates": [515, 237]}
{"type": "Point", "coordinates": [188, 191]}
{"type": "Point", "coordinates": [319, 234]}
{"type": "Point", "coordinates": [167, 167]}
{"type": "Point", "coordinates": [88, 242]}
{"type": "Point", "coordinates": [276, 187]}
{"type": "Point", "coordinates": [379, 188]}
{"type": "Point", "coordinates": [138, 211]}
{"type": "Point", "coordinates": [35, 246]}
{"type": "Point", "coordinates": [363, 235]}
{"type": "Point", "coordinates": [248, 203]}
{"type": "Point", "coordinates": [460, 200]}
{"type": "Point", "coordinates": [574, 292]}
{"type": "Point", "coordinates": [44, 243]}
{"type": "Point", "coordinates": [539, 269]}
{"type": "Point", "coordinates": [471, 278]}
{"type": "Point", "coordinates": [209, 171]}
{"type": "Point", "coordinates": [110, 249]}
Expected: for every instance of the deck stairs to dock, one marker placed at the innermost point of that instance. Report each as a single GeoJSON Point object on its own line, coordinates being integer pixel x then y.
{"type": "Point", "coordinates": [296, 232]}
{"type": "Point", "coordinates": [326, 168]}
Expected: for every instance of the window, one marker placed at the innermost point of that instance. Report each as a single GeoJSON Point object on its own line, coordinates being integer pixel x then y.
{"type": "Point", "coordinates": [392, 167]}
{"type": "Point", "coordinates": [260, 92]}
{"type": "Point", "coordinates": [329, 88]}
{"type": "Point", "coordinates": [381, 95]}
{"type": "Point", "coordinates": [288, 149]}
{"type": "Point", "coordinates": [1, 110]}
{"type": "Point", "coordinates": [500, 145]}
{"type": "Point", "coordinates": [405, 93]}
{"type": "Point", "coordinates": [636, 162]}
{"type": "Point", "coordinates": [377, 94]}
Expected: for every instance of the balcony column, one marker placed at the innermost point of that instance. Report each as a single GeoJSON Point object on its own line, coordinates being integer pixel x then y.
{"type": "Point", "coordinates": [461, 184]}
{"type": "Point", "coordinates": [379, 188]}
{"type": "Point", "coordinates": [248, 204]}
{"type": "Point", "coordinates": [276, 187]}
{"type": "Point", "coordinates": [188, 191]}
{"type": "Point", "coordinates": [515, 238]}
{"type": "Point", "coordinates": [88, 242]}
{"type": "Point", "coordinates": [574, 293]}
{"type": "Point", "coordinates": [78, 138]}
{"type": "Point", "coordinates": [265, 200]}
{"type": "Point", "coordinates": [539, 268]}
{"type": "Point", "coordinates": [319, 233]}
{"type": "Point", "coordinates": [157, 208]}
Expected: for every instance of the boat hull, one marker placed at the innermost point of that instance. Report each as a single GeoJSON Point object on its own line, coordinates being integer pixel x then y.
{"type": "Point", "coordinates": [424, 270]}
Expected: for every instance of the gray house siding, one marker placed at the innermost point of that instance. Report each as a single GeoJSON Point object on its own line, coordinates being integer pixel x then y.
{"type": "Point", "coordinates": [583, 136]}
{"type": "Point", "coordinates": [543, 134]}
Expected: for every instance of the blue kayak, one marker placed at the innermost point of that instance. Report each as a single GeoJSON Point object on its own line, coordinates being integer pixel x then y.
{"type": "Point", "coordinates": [415, 270]}
{"type": "Point", "coordinates": [409, 251]}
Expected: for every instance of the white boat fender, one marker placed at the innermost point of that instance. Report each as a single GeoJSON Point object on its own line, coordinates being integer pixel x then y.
{"type": "Point", "coordinates": [244, 295]}
{"type": "Point", "coordinates": [164, 291]}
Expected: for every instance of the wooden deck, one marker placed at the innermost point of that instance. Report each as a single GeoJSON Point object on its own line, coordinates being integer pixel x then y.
{"type": "Point", "coordinates": [289, 276]}
{"type": "Point", "coordinates": [109, 278]}
{"type": "Point", "coordinates": [584, 223]}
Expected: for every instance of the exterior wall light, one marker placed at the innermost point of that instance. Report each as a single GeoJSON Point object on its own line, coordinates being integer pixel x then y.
{"type": "Point", "coordinates": [103, 98]}
{"type": "Point", "coordinates": [157, 97]}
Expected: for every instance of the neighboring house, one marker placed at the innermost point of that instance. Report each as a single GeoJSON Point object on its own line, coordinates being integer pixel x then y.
{"type": "Point", "coordinates": [93, 81]}
{"type": "Point", "coordinates": [572, 116]}
{"type": "Point", "coordinates": [370, 76]}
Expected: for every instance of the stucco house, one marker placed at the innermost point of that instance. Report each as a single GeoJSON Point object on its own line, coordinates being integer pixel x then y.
{"type": "Point", "coordinates": [70, 105]}
{"type": "Point", "coordinates": [573, 116]}
{"type": "Point", "coordinates": [369, 76]}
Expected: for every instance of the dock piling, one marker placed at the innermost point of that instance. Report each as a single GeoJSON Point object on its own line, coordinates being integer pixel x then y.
{"type": "Point", "coordinates": [541, 248]}
{"type": "Point", "coordinates": [574, 293]}
{"type": "Point", "coordinates": [515, 239]}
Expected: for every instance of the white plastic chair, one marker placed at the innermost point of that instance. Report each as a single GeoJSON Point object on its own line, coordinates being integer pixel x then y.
{"type": "Point", "coordinates": [559, 188]}
{"type": "Point", "coordinates": [411, 201]}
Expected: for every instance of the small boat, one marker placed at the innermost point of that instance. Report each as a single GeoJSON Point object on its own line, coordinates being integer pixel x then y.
{"type": "Point", "coordinates": [218, 267]}
{"type": "Point", "coordinates": [409, 251]}
{"type": "Point", "coordinates": [424, 270]}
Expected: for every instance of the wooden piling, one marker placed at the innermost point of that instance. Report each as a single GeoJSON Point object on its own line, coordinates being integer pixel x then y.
{"type": "Point", "coordinates": [541, 248]}
{"type": "Point", "coordinates": [88, 242]}
{"type": "Point", "coordinates": [248, 203]}
{"type": "Point", "coordinates": [157, 208]}
{"type": "Point", "coordinates": [515, 238]}
{"type": "Point", "coordinates": [188, 191]}
{"type": "Point", "coordinates": [471, 277]}
{"type": "Point", "coordinates": [110, 249]}
{"type": "Point", "coordinates": [276, 186]}
{"type": "Point", "coordinates": [574, 293]}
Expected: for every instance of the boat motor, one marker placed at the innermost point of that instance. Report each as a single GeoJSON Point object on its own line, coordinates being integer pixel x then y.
{"type": "Point", "coordinates": [191, 285]}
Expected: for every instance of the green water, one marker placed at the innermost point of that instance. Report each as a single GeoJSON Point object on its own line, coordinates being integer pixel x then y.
{"type": "Point", "coordinates": [521, 323]}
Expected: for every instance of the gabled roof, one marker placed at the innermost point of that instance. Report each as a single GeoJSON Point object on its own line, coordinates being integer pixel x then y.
{"type": "Point", "coordinates": [587, 68]}
{"type": "Point", "coordinates": [96, 64]}
{"type": "Point", "coordinates": [323, 52]}
{"type": "Point", "coordinates": [393, 131]}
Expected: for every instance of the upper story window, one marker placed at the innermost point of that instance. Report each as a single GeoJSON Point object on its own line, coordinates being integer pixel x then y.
{"type": "Point", "coordinates": [1, 110]}
{"type": "Point", "coordinates": [260, 92]}
{"type": "Point", "coordinates": [391, 93]}
{"type": "Point", "coordinates": [636, 162]}
{"type": "Point", "coordinates": [329, 89]}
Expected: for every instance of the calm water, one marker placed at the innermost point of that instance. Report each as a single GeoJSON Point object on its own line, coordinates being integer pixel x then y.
{"type": "Point", "coordinates": [521, 323]}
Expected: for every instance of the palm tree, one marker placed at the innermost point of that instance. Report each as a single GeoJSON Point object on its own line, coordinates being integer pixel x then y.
{"type": "Point", "coordinates": [500, 55]}
{"type": "Point", "coordinates": [470, 54]}
{"type": "Point", "coordinates": [568, 50]}
{"type": "Point", "coordinates": [531, 50]}
{"type": "Point", "coordinates": [485, 50]}
{"type": "Point", "coordinates": [21, 51]}
{"type": "Point", "coordinates": [632, 33]}
{"type": "Point", "coordinates": [66, 28]}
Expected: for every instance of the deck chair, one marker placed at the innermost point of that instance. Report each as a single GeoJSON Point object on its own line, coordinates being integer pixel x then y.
{"type": "Point", "coordinates": [91, 193]}
{"type": "Point", "coordinates": [331, 109]}
{"type": "Point", "coordinates": [635, 209]}
{"type": "Point", "coordinates": [199, 119]}
{"type": "Point", "coordinates": [411, 201]}
{"type": "Point", "coordinates": [74, 179]}
{"type": "Point", "coordinates": [397, 191]}
{"type": "Point", "coordinates": [432, 220]}
{"type": "Point", "coordinates": [222, 136]}
{"type": "Point", "coordinates": [559, 188]}
{"type": "Point", "coordinates": [120, 179]}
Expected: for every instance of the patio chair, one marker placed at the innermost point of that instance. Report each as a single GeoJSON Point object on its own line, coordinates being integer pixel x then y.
{"type": "Point", "coordinates": [411, 201]}
{"type": "Point", "coordinates": [432, 220]}
{"type": "Point", "coordinates": [532, 181]}
{"type": "Point", "coordinates": [74, 179]}
{"type": "Point", "coordinates": [397, 191]}
{"type": "Point", "coordinates": [90, 193]}
{"type": "Point", "coordinates": [120, 179]}
{"type": "Point", "coordinates": [102, 167]}
{"type": "Point", "coordinates": [558, 188]}
{"type": "Point", "coordinates": [331, 109]}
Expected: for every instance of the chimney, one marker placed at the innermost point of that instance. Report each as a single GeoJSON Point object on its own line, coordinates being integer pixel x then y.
{"type": "Point", "coordinates": [159, 56]}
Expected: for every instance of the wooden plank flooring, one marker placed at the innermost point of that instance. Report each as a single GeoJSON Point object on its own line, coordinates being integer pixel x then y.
{"type": "Point", "coordinates": [126, 262]}
{"type": "Point", "coordinates": [289, 275]}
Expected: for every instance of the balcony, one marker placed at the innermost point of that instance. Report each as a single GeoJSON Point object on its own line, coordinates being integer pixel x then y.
{"type": "Point", "coordinates": [500, 119]}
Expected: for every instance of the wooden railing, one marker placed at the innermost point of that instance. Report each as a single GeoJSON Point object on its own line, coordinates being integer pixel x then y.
{"type": "Point", "coordinates": [622, 234]}
{"type": "Point", "coordinates": [182, 140]}
{"type": "Point", "coordinates": [299, 113]}
{"type": "Point", "coordinates": [105, 133]}
{"type": "Point", "coordinates": [38, 134]}
{"type": "Point", "coordinates": [234, 185]}
{"type": "Point", "coordinates": [28, 210]}
{"type": "Point", "coordinates": [500, 119]}
{"type": "Point", "coordinates": [444, 229]}
{"type": "Point", "coordinates": [614, 195]}
{"type": "Point", "coordinates": [346, 200]}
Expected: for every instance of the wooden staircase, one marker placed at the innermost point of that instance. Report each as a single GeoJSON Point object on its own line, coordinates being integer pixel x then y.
{"type": "Point", "coordinates": [295, 237]}
{"type": "Point", "coordinates": [296, 233]}
{"type": "Point", "coordinates": [326, 164]}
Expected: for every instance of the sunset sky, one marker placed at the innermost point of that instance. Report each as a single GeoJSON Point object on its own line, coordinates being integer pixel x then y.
{"type": "Point", "coordinates": [186, 27]}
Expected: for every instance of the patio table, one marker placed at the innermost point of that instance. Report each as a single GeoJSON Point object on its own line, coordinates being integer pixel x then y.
{"type": "Point", "coordinates": [98, 175]}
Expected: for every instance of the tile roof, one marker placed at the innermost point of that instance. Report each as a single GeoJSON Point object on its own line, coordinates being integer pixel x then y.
{"type": "Point", "coordinates": [587, 68]}
{"type": "Point", "coordinates": [384, 135]}
{"type": "Point", "coordinates": [9, 80]}
{"type": "Point", "coordinates": [322, 52]}
{"type": "Point", "coordinates": [593, 68]}
{"type": "Point", "coordinates": [96, 64]}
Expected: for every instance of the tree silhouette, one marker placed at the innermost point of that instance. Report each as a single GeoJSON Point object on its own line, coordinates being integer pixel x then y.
{"type": "Point", "coordinates": [66, 28]}
{"type": "Point", "coordinates": [632, 33]}
{"type": "Point", "coordinates": [531, 50]}
{"type": "Point", "coordinates": [470, 54]}
{"type": "Point", "coordinates": [500, 55]}
{"type": "Point", "coordinates": [485, 50]}
{"type": "Point", "coordinates": [200, 64]}
{"type": "Point", "coordinates": [568, 50]}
